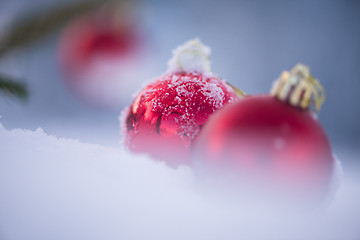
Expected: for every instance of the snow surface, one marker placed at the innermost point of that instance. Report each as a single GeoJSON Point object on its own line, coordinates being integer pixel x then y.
{"type": "Point", "coordinates": [54, 188]}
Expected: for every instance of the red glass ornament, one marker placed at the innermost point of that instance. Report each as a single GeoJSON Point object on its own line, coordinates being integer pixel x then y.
{"type": "Point", "coordinates": [92, 36]}
{"type": "Point", "coordinates": [168, 114]}
{"type": "Point", "coordinates": [95, 51]}
{"type": "Point", "coordinates": [268, 140]}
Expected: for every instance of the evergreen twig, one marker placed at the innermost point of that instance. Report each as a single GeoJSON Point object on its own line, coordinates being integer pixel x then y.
{"type": "Point", "coordinates": [36, 26]}
{"type": "Point", "coordinates": [13, 88]}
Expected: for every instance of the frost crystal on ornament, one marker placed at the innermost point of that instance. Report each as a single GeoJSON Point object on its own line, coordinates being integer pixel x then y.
{"type": "Point", "coordinates": [193, 56]}
{"type": "Point", "coordinates": [168, 114]}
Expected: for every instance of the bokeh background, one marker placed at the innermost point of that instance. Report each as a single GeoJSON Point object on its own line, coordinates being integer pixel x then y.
{"type": "Point", "coordinates": [251, 42]}
{"type": "Point", "coordinates": [56, 188]}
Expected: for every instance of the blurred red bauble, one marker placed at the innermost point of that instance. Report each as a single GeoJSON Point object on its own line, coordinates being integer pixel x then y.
{"type": "Point", "coordinates": [97, 52]}
{"type": "Point", "coordinates": [168, 114]}
{"type": "Point", "coordinates": [270, 140]}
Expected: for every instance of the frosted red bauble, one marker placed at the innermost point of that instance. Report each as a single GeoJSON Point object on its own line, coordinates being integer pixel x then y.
{"type": "Point", "coordinates": [169, 113]}
{"type": "Point", "coordinates": [265, 140]}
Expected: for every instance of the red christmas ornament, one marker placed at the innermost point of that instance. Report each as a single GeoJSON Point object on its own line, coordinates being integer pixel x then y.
{"type": "Point", "coordinates": [168, 114]}
{"type": "Point", "coordinates": [272, 139]}
{"type": "Point", "coordinates": [95, 51]}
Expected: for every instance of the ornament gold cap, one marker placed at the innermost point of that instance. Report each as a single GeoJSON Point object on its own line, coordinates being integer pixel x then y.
{"type": "Point", "coordinates": [194, 56]}
{"type": "Point", "coordinates": [240, 93]}
{"type": "Point", "coordinates": [299, 88]}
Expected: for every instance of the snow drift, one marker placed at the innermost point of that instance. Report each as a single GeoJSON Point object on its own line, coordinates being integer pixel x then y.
{"type": "Point", "coordinates": [54, 188]}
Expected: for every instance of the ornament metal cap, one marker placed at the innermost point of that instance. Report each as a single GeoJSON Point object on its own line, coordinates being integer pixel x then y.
{"type": "Point", "coordinates": [299, 88]}
{"type": "Point", "coordinates": [192, 56]}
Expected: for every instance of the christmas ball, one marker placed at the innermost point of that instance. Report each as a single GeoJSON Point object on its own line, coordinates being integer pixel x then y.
{"type": "Point", "coordinates": [272, 141]}
{"type": "Point", "coordinates": [169, 113]}
{"type": "Point", "coordinates": [98, 54]}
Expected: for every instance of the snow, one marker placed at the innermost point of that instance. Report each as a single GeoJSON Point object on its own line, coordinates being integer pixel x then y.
{"type": "Point", "coordinates": [192, 56]}
{"type": "Point", "coordinates": [53, 188]}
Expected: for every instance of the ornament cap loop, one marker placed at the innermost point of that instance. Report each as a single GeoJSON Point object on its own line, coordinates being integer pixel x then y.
{"type": "Point", "coordinates": [299, 88]}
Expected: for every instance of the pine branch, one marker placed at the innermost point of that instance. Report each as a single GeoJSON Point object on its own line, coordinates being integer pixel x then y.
{"type": "Point", "coordinates": [13, 88]}
{"type": "Point", "coordinates": [34, 27]}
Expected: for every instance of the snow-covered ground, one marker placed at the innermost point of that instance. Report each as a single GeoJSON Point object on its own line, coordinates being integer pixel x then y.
{"type": "Point", "coordinates": [53, 188]}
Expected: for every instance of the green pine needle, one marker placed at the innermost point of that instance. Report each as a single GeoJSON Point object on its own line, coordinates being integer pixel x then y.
{"type": "Point", "coordinates": [13, 88]}
{"type": "Point", "coordinates": [34, 27]}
